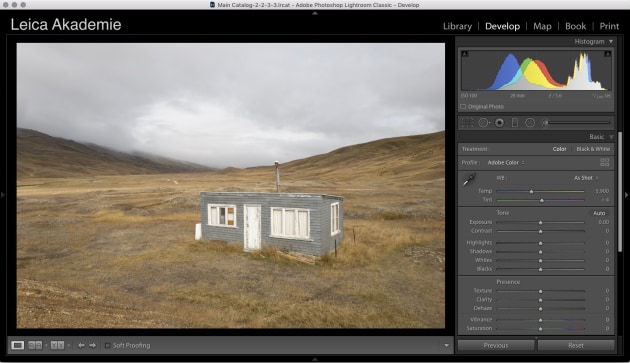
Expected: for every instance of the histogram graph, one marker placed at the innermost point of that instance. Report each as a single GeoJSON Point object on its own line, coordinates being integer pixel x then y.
{"type": "Point", "coordinates": [536, 70]}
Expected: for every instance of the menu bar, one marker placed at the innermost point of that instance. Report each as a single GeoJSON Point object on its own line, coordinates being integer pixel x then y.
{"type": "Point", "coordinates": [318, 4]}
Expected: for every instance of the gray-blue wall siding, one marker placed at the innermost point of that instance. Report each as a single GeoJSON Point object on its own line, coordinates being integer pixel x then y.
{"type": "Point", "coordinates": [320, 241]}
{"type": "Point", "coordinates": [328, 241]}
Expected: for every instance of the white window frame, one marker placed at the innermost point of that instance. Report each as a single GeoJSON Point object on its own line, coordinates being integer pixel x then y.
{"type": "Point", "coordinates": [218, 207]}
{"type": "Point", "coordinates": [335, 227]}
{"type": "Point", "coordinates": [283, 233]}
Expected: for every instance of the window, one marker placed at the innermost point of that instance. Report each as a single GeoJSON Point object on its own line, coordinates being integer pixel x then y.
{"type": "Point", "coordinates": [476, 147]}
{"type": "Point", "coordinates": [222, 215]}
{"type": "Point", "coordinates": [334, 219]}
{"type": "Point", "coordinates": [290, 223]}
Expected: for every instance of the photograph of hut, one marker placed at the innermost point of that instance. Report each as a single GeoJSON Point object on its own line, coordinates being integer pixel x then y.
{"type": "Point", "coordinates": [153, 200]}
{"type": "Point", "coordinates": [306, 223]}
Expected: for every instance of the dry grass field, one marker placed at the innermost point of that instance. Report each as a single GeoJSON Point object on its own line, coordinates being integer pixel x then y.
{"type": "Point", "coordinates": [119, 251]}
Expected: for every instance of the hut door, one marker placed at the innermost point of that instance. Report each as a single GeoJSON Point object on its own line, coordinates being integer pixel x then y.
{"type": "Point", "coordinates": [252, 227]}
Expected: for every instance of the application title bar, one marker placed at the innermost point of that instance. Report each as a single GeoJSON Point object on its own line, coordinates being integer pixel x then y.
{"type": "Point", "coordinates": [317, 5]}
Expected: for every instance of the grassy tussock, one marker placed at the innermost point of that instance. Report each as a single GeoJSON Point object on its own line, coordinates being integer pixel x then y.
{"type": "Point", "coordinates": [390, 216]}
{"type": "Point", "coordinates": [213, 247]}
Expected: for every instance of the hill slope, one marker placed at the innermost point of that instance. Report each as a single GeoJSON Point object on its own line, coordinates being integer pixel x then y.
{"type": "Point", "coordinates": [43, 156]}
{"type": "Point", "coordinates": [398, 157]}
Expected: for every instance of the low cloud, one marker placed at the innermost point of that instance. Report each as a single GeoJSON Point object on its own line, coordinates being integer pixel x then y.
{"type": "Point", "coordinates": [230, 104]}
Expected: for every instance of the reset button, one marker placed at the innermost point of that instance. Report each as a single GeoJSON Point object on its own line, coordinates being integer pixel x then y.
{"type": "Point", "coordinates": [578, 345]}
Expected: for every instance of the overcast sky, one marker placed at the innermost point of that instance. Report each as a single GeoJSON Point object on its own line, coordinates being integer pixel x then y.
{"type": "Point", "coordinates": [230, 104]}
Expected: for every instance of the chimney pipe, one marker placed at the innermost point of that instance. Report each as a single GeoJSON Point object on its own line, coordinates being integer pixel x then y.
{"type": "Point", "coordinates": [277, 177]}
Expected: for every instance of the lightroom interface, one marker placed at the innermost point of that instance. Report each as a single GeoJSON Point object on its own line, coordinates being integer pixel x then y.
{"type": "Point", "coordinates": [314, 181]}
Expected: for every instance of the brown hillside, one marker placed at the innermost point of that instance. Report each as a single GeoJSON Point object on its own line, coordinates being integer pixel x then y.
{"type": "Point", "coordinates": [399, 158]}
{"type": "Point", "coordinates": [43, 156]}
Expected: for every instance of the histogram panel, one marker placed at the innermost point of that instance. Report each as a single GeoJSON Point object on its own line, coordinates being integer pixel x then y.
{"type": "Point", "coordinates": [532, 70]}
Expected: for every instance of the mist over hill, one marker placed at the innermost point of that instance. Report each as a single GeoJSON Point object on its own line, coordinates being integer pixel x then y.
{"type": "Point", "coordinates": [399, 158]}
{"type": "Point", "coordinates": [43, 156]}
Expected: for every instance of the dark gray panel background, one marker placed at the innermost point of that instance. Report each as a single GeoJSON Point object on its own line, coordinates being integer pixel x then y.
{"type": "Point", "coordinates": [519, 253]}
{"type": "Point", "coordinates": [484, 258]}
{"type": "Point", "coordinates": [596, 192]}
{"type": "Point", "coordinates": [510, 345]}
{"type": "Point", "coordinates": [539, 168]}
{"type": "Point", "coordinates": [584, 344]}
{"type": "Point", "coordinates": [479, 69]}
{"type": "Point", "coordinates": [537, 148]}
{"type": "Point", "coordinates": [539, 163]}
{"type": "Point", "coordinates": [533, 136]}
{"type": "Point", "coordinates": [572, 101]}
{"type": "Point", "coordinates": [558, 317]}
{"type": "Point", "coordinates": [255, 345]}
{"type": "Point", "coordinates": [514, 123]}
{"type": "Point", "coordinates": [472, 71]}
